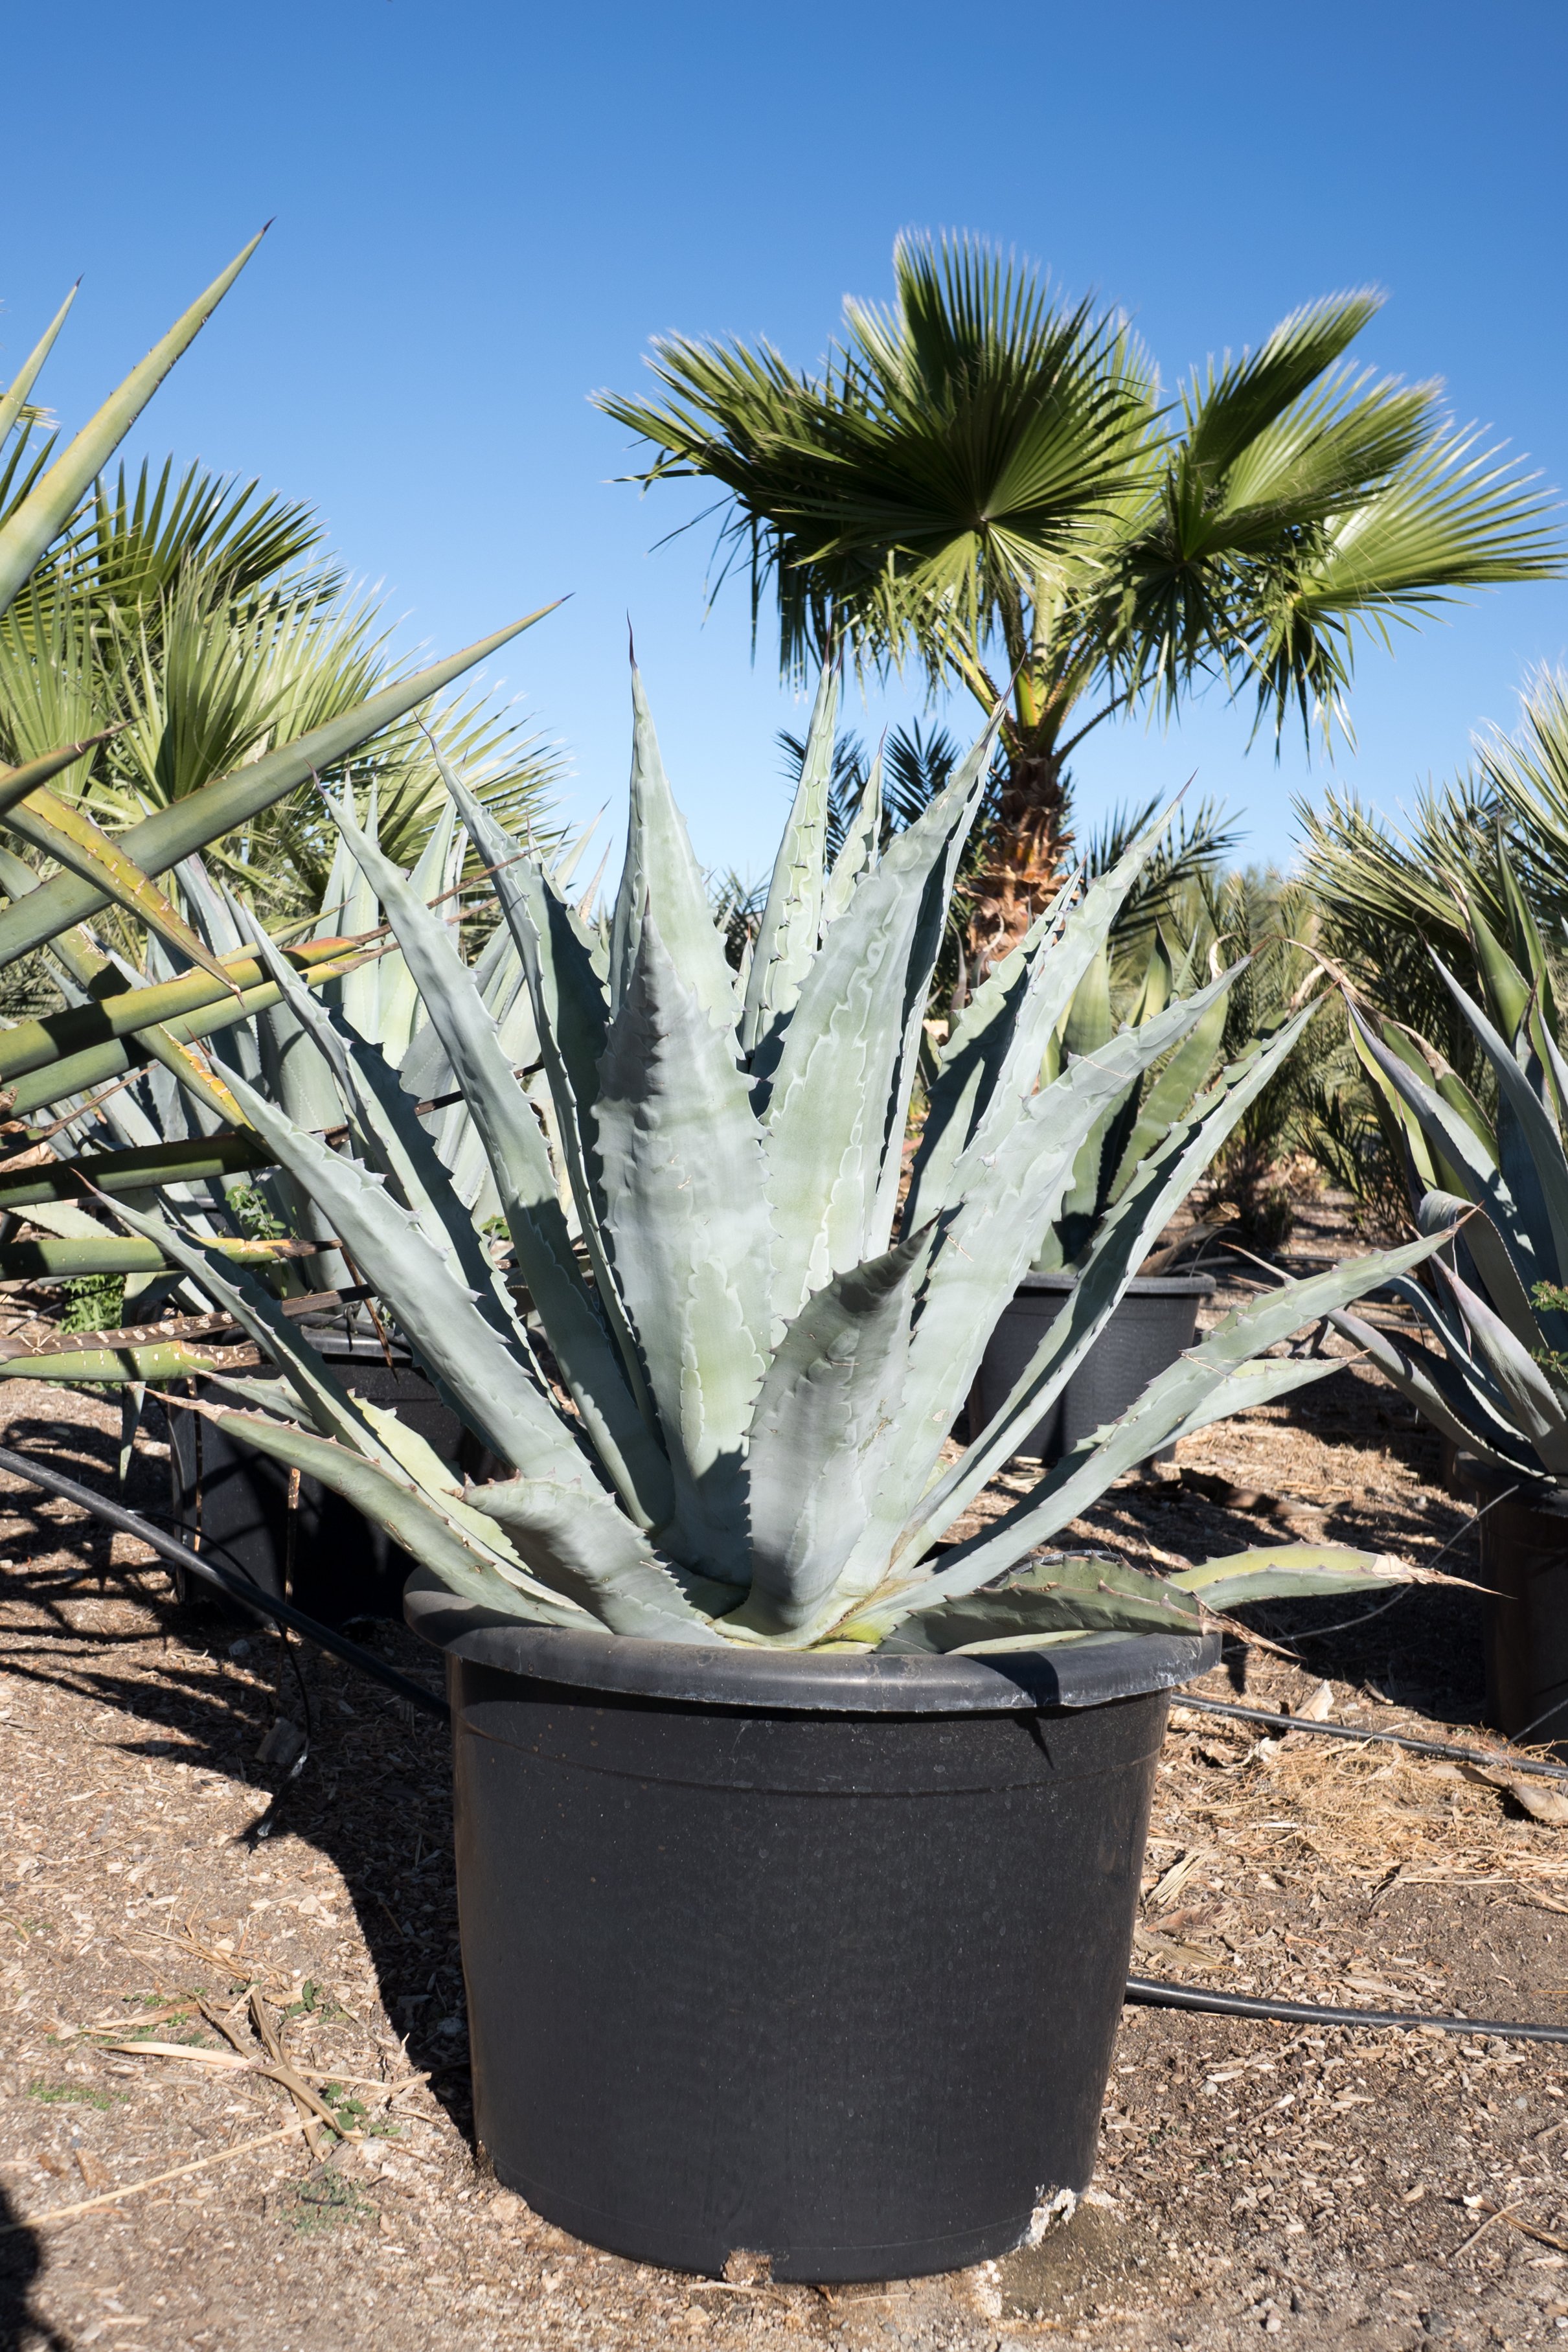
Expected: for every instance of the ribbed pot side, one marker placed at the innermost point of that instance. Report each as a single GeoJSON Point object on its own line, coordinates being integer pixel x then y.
{"type": "Point", "coordinates": [839, 1989]}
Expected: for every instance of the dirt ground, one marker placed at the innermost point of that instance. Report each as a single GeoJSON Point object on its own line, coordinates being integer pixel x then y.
{"type": "Point", "coordinates": [169, 1902]}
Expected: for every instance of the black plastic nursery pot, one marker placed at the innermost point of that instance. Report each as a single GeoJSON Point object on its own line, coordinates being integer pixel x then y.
{"type": "Point", "coordinates": [814, 1958]}
{"type": "Point", "coordinates": [321, 1553]}
{"type": "Point", "coordinates": [1156, 1320]}
{"type": "Point", "coordinates": [1524, 1567]}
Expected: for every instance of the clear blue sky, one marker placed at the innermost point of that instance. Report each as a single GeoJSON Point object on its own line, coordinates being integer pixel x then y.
{"type": "Point", "coordinates": [484, 211]}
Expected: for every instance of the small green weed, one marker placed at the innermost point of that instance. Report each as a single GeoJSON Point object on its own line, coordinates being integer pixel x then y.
{"type": "Point", "coordinates": [351, 2112]}
{"type": "Point", "coordinates": [73, 2095]}
{"type": "Point", "coordinates": [95, 1302]}
{"type": "Point", "coordinates": [323, 2200]}
{"type": "Point", "coordinates": [253, 1214]}
{"type": "Point", "coordinates": [314, 2002]}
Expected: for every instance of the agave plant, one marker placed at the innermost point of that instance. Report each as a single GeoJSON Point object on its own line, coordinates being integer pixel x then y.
{"type": "Point", "coordinates": [1496, 1382]}
{"type": "Point", "coordinates": [721, 1410]}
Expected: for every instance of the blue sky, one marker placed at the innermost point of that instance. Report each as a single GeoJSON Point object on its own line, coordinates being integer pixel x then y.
{"type": "Point", "coordinates": [483, 212]}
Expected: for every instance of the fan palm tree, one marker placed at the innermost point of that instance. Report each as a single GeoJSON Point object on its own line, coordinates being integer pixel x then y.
{"type": "Point", "coordinates": [987, 478]}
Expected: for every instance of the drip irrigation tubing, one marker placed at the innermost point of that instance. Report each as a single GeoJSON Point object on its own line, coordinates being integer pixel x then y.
{"type": "Point", "coordinates": [1151, 1992]}
{"type": "Point", "coordinates": [1143, 1992]}
{"type": "Point", "coordinates": [1488, 1758]}
{"type": "Point", "coordinates": [226, 1579]}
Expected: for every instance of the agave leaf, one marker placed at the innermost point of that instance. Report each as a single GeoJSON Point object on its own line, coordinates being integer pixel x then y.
{"type": "Point", "coordinates": [1507, 990]}
{"type": "Point", "coordinates": [1472, 1167]}
{"type": "Point", "coordinates": [1082, 1592]}
{"type": "Point", "coordinates": [858, 854]}
{"type": "Point", "coordinates": [823, 1419]}
{"type": "Point", "coordinates": [1171, 1092]}
{"type": "Point", "coordinates": [828, 1082]}
{"type": "Point", "coordinates": [49, 504]}
{"type": "Point", "coordinates": [786, 937]}
{"type": "Point", "coordinates": [26, 376]}
{"type": "Point", "coordinates": [499, 1397]}
{"type": "Point", "coordinates": [660, 874]}
{"type": "Point", "coordinates": [1496, 1270]}
{"type": "Point", "coordinates": [582, 1546]}
{"type": "Point", "coordinates": [396, 1143]}
{"type": "Point", "coordinates": [571, 1017]}
{"type": "Point", "coordinates": [686, 1217]}
{"type": "Point", "coordinates": [30, 1046]}
{"type": "Point", "coordinates": [69, 836]}
{"type": "Point", "coordinates": [1216, 1377]}
{"type": "Point", "coordinates": [974, 1057]}
{"type": "Point", "coordinates": [1295, 1570]}
{"type": "Point", "coordinates": [188, 824]}
{"type": "Point", "coordinates": [416, 1520]}
{"type": "Point", "coordinates": [1542, 1155]}
{"type": "Point", "coordinates": [1114, 1260]}
{"type": "Point", "coordinates": [361, 989]}
{"type": "Point", "coordinates": [1537, 1408]}
{"type": "Point", "coordinates": [515, 1149]}
{"type": "Point", "coordinates": [1439, 1392]}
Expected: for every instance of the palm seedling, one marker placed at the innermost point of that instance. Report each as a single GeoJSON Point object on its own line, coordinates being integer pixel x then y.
{"type": "Point", "coordinates": [720, 1412]}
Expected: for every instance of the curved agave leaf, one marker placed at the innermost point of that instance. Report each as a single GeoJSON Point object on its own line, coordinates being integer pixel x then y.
{"type": "Point", "coordinates": [823, 1427]}
{"type": "Point", "coordinates": [659, 874]}
{"type": "Point", "coordinates": [416, 1520]}
{"type": "Point", "coordinates": [582, 1546]}
{"type": "Point", "coordinates": [1438, 1391]}
{"type": "Point", "coordinates": [71, 838]}
{"type": "Point", "coordinates": [858, 854]}
{"type": "Point", "coordinates": [1542, 1161]}
{"type": "Point", "coordinates": [1112, 1261]}
{"type": "Point", "coordinates": [515, 1149]}
{"type": "Point", "coordinates": [791, 926]}
{"type": "Point", "coordinates": [685, 1214]}
{"type": "Point", "coordinates": [1536, 1407]}
{"type": "Point", "coordinates": [1193, 1392]}
{"type": "Point", "coordinates": [1085, 1592]}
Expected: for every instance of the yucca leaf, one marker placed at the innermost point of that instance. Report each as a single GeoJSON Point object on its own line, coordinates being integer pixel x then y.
{"type": "Point", "coordinates": [49, 504]}
{"type": "Point", "coordinates": [660, 874]}
{"type": "Point", "coordinates": [686, 1213]}
{"type": "Point", "coordinates": [26, 376]}
{"type": "Point", "coordinates": [822, 1426]}
{"type": "Point", "coordinates": [506, 1121]}
{"type": "Point", "coordinates": [791, 925]}
{"type": "Point", "coordinates": [16, 783]}
{"type": "Point", "coordinates": [54, 1260]}
{"type": "Point", "coordinates": [185, 1160]}
{"type": "Point", "coordinates": [70, 837]}
{"type": "Point", "coordinates": [190, 822]}
{"type": "Point", "coordinates": [583, 1546]}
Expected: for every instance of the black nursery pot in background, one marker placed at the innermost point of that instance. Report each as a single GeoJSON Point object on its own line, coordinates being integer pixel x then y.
{"type": "Point", "coordinates": [1157, 1319]}
{"type": "Point", "coordinates": [1523, 1529]}
{"type": "Point", "coordinates": [325, 1555]}
{"type": "Point", "coordinates": [819, 1959]}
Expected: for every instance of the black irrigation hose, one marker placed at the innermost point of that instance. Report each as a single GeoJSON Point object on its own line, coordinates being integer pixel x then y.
{"type": "Point", "coordinates": [239, 1588]}
{"type": "Point", "coordinates": [1148, 1991]}
{"type": "Point", "coordinates": [1152, 1993]}
{"type": "Point", "coordinates": [1491, 1757]}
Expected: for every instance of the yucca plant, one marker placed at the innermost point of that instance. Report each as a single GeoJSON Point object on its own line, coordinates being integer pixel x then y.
{"type": "Point", "coordinates": [65, 550]}
{"type": "Point", "coordinates": [722, 1415]}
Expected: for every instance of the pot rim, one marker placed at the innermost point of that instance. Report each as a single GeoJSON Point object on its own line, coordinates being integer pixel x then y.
{"type": "Point", "coordinates": [1142, 1285]}
{"type": "Point", "coordinates": [1102, 1667]}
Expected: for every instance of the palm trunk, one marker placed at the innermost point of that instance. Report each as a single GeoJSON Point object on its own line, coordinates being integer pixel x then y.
{"type": "Point", "coordinates": [1021, 855]}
